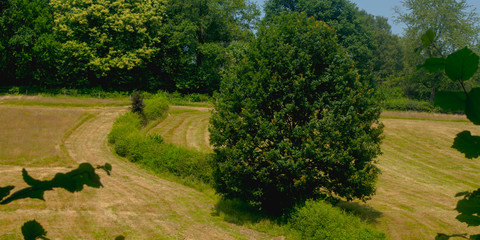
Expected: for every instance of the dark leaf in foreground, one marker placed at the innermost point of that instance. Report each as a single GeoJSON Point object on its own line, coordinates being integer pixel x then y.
{"type": "Point", "coordinates": [451, 101]}
{"type": "Point", "coordinates": [472, 109]}
{"type": "Point", "coordinates": [433, 64]}
{"type": "Point", "coordinates": [428, 38]}
{"type": "Point", "coordinates": [469, 209]}
{"type": "Point", "coordinates": [467, 144]}
{"type": "Point", "coordinates": [461, 65]}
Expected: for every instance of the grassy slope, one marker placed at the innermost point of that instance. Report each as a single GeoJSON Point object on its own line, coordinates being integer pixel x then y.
{"type": "Point", "coordinates": [421, 172]}
{"type": "Point", "coordinates": [133, 203]}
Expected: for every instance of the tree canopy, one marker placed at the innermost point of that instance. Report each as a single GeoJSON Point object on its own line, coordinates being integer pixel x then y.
{"type": "Point", "coordinates": [454, 24]}
{"type": "Point", "coordinates": [362, 34]}
{"type": "Point", "coordinates": [120, 44]}
{"type": "Point", "coordinates": [293, 121]}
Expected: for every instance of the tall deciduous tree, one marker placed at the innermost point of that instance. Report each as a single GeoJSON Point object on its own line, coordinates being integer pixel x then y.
{"type": "Point", "coordinates": [27, 45]}
{"type": "Point", "coordinates": [196, 34]}
{"type": "Point", "coordinates": [107, 42]}
{"type": "Point", "coordinates": [293, 121]}
{"type": "Point", "coordinates": [455, 25]}
{"type": "Point", "coordinates": [349, 22]}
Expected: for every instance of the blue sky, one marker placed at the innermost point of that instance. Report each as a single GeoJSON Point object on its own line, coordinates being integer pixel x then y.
{"type": "Point", "coordinates": [385, 8]}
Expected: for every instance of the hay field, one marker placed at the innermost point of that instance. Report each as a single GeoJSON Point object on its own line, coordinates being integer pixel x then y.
{"type": "Point", "coordinates": [421, 172]}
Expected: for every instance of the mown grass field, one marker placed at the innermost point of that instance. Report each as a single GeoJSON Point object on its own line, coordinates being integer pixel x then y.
{"type": "Point", "coordinates": [133, 203]}
{"type": "Point", "coordinates": [421, 172]}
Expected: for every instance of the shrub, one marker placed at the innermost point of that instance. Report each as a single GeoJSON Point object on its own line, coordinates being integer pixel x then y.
{"type": "Point", "coordinates": [293, 122]}
{"type": "Point", "coordinates": [123, 126]}
{"type": "Point", "coordinates": [137, 103]}
{"type": "Point", "coordinates": [405, 104]}
{"type": "Point", "coordinates": [150, 150]}
{"type": "Point", "coordinates": [156, 106]}
{"type": "Point", "coordinates": [320, 220]}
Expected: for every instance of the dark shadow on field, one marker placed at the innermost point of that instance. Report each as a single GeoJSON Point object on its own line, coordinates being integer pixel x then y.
{"type": "Point", "coordinates": [238, 212]}
{"type": "Point", "coordinates": [467, 144]}
{"type": "Point", "coordinates": [363, 211]}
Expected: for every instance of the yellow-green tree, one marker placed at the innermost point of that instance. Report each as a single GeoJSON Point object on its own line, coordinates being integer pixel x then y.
{"type": "Point", "coordinates": [107, 42]}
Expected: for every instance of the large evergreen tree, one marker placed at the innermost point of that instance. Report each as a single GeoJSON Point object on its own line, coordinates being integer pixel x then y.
{"type": "Point", "coordinates": [293, 121]}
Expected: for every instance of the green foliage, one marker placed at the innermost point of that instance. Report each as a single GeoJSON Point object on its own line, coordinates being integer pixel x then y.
{"type": "Point", "coordinates": [110, 40]}
{"type": "Point", "coordinates": [151, 151]}
{"type": "Point", "coordinates": [26, 42]}
{"type": "Point", "coordinates": [137, 103]}
{"type": "Point", "coordinates": [320, 220]}
{"type": "Point", "coordinates": [406, 104]}
{"type": "Point", "coordinates": [469, 208]}
{"type": "Point", "coordinates": [428, 38]}
{"type": "Point", "coordinates": [472, 107]}
{"type": "Point", "coordinates": [32, 230]}
{"type": "Point", "coordinates": [449, 24]}
{"type": "Point", "coordinates": [461, 65]}
{"type": "Point", "coordinates": [451, 101]}
{"type": "Point", "coordinates": [433, 65]}
{"type": "Point", "coordinates": [156, 106]}
{"type": "Point", "coordinates": [467, 144]}
{"type": "Point", "coordinates": [123, 126]}
{"type": "Point", "coordinates": [196, 34]}
{"type": "Point", "coordinates": [367, 39]}
{"type": "Point", "coordinates": [293, 121]}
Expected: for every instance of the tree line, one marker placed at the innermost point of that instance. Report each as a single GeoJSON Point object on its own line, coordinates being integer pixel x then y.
{"type": "Point", "coordinates": [185, 46]}
{"type": "Point", "coordinates": [120, 44]}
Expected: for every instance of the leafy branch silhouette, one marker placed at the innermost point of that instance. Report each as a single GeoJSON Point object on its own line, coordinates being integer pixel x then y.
{"type": "Point", "coordinates": [459, 67]}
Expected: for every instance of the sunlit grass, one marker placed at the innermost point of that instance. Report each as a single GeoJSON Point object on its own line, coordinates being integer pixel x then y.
{"type": "Point", "coordinates": [32, 136]}
{"type": "Point", "coordinates": [62, 101]}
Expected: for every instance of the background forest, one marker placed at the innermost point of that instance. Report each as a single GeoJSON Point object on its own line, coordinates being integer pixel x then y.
{"type": "Point", "coordinates": [184, 46]}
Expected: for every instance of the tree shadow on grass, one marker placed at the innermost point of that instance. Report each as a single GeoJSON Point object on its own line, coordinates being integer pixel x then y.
{"type": "Point", "coordinates": [363, 211]}
{"type": "Point", "coordinates": [240, 213]}
{"type": "Point", "coordinates": [467, 144]}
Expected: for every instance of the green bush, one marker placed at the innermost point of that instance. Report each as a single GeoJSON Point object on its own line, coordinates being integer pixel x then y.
{"type": "Point", "coordinates": [155, 106]}
{"type": "Point", "coordinates": [151, 151]}
{"type": "Point", "coordinates": [320, 220]}
{"type": "Point", "coordinates": [293, 121]}
{"type": "Point", "coordinates": [124, 126]}
{"type": "Point", "coordinates": [406, 104]}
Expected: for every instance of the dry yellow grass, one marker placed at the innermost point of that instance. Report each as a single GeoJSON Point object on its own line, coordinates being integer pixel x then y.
{"type": "Point", "coordinates": [61, 101]}
{"type": "Point", "coordinates": [32, 136]}
{"type": "Point", "coordinates": [415, 197]}
{"type": "Point", "coordinates": [133, 203]}
{"type": "Point", "coordinates": [421, 173]}
{"type": "Point", "coordinates": [186, 126]}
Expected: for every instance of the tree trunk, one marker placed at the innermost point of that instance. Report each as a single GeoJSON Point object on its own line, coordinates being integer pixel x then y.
{"type": "Point", "coordinates": [432, 94]}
